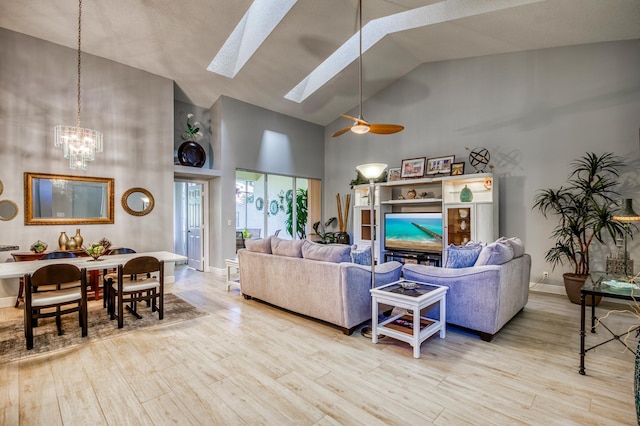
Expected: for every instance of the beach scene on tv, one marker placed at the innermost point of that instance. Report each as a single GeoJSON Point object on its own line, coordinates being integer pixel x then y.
{"type": "Point", "coordinates": [413, 231]}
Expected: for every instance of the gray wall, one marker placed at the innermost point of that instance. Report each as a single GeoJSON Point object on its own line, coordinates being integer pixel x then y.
{"type": "Point", "coordinates": [132, 108]}
{"type": "Point", "coordinates": [254, 138]}
{"type": "Point", "coordinates": [535, 111]}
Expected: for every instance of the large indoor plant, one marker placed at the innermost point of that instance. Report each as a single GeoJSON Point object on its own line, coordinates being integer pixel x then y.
{"type": "Point", "coordinates": [584, 207]}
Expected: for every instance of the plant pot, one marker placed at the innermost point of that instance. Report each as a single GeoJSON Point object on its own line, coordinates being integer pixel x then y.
{"type": "Point", "coordinates": [572, 284]}
{"type": "Point", "coordinates": [343, 238]}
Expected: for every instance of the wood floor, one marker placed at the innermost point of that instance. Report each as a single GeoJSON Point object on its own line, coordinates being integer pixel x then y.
{"type": "Point", "coordinates": [249, 363]}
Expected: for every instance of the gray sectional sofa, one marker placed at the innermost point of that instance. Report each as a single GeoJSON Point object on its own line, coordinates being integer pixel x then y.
{"type": "Point", "coordinates": [485, 296]}
{"type": "Point", "coordinates": [319, 281]}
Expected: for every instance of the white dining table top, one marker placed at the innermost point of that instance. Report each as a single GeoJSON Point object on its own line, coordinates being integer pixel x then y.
{"type": "Point", "coordinates": [19, 269]}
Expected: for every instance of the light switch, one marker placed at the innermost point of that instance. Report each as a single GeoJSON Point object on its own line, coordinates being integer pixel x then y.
{"type": "Point", "coordinates": [229, 222]}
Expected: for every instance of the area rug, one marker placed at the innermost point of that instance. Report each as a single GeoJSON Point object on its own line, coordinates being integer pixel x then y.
{"type": "Point", "coordinates": [13, 345]}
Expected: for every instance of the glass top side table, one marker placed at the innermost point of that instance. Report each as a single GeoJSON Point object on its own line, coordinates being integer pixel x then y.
{"type": "Point", "coordinates": [607, 285]}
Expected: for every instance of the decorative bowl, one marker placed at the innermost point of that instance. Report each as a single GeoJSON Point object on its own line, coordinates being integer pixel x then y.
{"type": "Point", "coordinates": [38, 247]}
{"type": "Point", "coordinates": [95, 250]}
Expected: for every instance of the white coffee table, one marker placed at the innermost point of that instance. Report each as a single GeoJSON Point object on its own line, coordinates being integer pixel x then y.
{"type": "Point", "coordinates": [233, 269]}
{"type": "Point", "coordinates": [409, 327]}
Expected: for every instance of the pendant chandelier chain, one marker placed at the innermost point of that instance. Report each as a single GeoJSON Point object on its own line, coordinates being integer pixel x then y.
{"type": "Point", "coordinates": [79, 55]}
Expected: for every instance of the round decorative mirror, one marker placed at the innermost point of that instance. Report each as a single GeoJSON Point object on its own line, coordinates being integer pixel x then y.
{"type": "Point", "coordinates": [137, 201]}
{"type": "Point", "coordinates": [8, 210]}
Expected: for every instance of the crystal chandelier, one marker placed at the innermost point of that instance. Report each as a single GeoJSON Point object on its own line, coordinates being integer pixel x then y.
{"type": "Point", "coordinates": [78, 143]}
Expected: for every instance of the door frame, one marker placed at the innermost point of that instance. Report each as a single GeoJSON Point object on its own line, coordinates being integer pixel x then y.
{"type": "Point", "coordinates": [205, 218]}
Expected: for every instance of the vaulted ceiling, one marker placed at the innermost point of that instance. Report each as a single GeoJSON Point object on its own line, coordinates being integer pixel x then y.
{"type": "Point", "coordinates": [178, 40]}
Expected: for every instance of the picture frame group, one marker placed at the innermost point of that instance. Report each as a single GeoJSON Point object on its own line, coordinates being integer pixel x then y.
{"type": "Point", "coordinates": [415, 168]}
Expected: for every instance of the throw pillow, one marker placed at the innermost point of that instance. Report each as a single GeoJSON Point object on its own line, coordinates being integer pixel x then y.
{"type": "Point", "coordinates": [462, 256]}
{"type": "Point", "coordinates": [289, 248]}
{"type": "Point", "coordinates": [361, 257]}
{"type": "Point", "coordinates": [495, 253]}
{"type": "Point", "coordinates": [335, 253]}
{"type": "Point", "coordinates": [516, 244]}
{"type": "Point", "coordinates": [259, 245]}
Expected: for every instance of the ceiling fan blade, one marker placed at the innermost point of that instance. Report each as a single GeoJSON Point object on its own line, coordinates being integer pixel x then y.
{"type": "Point", "coordinates": [341, 132]}
{"type": "Point", "coordinates": [385, 129]}
{"type": "Point", "coordinates": [359, 120]}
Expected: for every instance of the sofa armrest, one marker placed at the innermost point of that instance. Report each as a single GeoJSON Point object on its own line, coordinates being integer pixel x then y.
{"type": "Point", "coordinates": [356, 283]}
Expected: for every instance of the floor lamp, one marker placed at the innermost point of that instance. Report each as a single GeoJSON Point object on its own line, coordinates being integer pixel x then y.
{"type": "Point", "coordinates": [371, 171]}
{"type": "Point", "coordinates": [625, 216]}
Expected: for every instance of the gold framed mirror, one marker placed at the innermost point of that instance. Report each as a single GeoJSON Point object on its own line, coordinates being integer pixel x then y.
{"type": "Point", "coordinates": [137, 201]}
{"type": "Point", "coordinates": [1, 187]}
{"type": "Point", "coordinates": [61, 199]}
{"type": "Point", "coordinates": [8, 210]}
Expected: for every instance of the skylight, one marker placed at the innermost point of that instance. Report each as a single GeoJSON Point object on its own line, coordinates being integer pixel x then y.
{"type": "Point", "coordinates": [376, 29]}
{"type": "Point", "coordinates": [252, 30]}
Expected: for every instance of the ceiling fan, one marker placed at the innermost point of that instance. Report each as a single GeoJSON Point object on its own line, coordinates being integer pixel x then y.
{"type": "Point", "coordinates": [360, 125]}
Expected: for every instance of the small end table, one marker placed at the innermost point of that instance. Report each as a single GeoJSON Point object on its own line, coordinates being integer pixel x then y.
{"type": "Point", "coordinates": [232, 264]}
{"type": "Point", "coordinates": [410, 296]}
{"type": "Point", "coordinates": [595, 286]}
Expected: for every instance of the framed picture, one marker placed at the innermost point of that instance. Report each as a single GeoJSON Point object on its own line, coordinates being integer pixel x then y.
{"type": "Point", "coordinates": [457, 169]}
{"type": "Point", "coordinates": [412, 168]}
{"type": "Point", "coordinates": [393, 175]}
{"type": "Point", "coordinates": [439, 165]}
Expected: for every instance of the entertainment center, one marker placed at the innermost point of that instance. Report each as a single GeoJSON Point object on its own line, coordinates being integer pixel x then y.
{"type": "Point", "coordinates": [416, 219]}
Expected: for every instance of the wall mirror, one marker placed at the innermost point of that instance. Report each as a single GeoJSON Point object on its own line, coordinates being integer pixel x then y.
{"type": "Point", "coordinates": [8, 210]}
{"type": "Point", "coordinates": [1, 187]}
{"type": "Point", "coordinates": [59, 199]}
{"type": "Point", "coordinates": [137, 201]}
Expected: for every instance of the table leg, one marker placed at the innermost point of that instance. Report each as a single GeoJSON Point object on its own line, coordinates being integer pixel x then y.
{"type": "Point", "coordinates": [582, 332]}
{"type": "Point", "coordinates": [443, 316]}
{"type": "Point", "coordinates": [94, 277]}
{"type": "Point", "coordinates": [20, 293]}
{"type": "Point", "coordinates": [374, 319]}
{"type": "Point", "coordinates": [228, 277]}
{"type": "Point", "coordinates": [593, 314]}
{"type": "Point", "coordinates": [416, 332]}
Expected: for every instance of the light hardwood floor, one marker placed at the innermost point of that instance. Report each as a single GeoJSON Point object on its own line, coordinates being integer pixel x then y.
{"type": "Point", "coordinates": [249, 363]}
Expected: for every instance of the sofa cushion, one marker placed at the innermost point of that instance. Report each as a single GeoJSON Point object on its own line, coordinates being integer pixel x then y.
{"type": "Point", "coordinates": [335, 253]}
{"type": "Point", "coordinates": [289, 248]}
{"type": "Point", "coordinates": [361, 257]}
{"type": "Point", "coordinates": [516, 244]}
{"type": "Point", "coordinates": [495, 253]}
{"type": "Point", "coordinates": [259, 245]}
{"type": "Point", "coordinates": [462, 256]}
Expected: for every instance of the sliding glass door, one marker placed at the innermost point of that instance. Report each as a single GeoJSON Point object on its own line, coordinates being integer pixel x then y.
{"type": "Point", "coordinates": [270, 204]}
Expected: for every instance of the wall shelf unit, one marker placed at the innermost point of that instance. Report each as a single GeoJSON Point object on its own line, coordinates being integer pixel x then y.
{"type": "Point", "coordinates": [462, 222]}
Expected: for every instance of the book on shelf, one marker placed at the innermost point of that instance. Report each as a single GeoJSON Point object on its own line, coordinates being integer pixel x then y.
{"type": "Point", "coordinates": [404, 324]}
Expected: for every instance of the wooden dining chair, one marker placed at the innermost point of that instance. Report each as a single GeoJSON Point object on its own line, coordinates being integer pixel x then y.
{"type": "Point", "coordinates": [111, 275]}
{"type": "Point", "coordinates": [140, 279]}
{"type": "Point", "coordinates": [53, 291]}
{"type": "Point", "coordinates": [51, 255]}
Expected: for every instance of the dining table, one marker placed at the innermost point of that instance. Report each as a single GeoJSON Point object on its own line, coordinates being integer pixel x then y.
{"type": "Point", "coordinates": [20, 269]}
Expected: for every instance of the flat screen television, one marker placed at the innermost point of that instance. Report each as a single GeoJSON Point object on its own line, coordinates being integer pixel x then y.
{"type": "Point", "coordinates": [417, 232]}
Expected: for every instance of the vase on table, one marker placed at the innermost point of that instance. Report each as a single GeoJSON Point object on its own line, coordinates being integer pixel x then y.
{"type": "Point", "coordinates": [63, 239]}
{"type": "Point", "coordinates": [71, 244]}
{"type": "Point", "coordinates": [78, 239]}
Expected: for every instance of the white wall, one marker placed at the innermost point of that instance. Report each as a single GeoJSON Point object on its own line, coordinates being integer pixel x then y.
{"type": "Point", "coordinates": [132, 108]}
{"type": "Point", "coordinates": [256, 139]}
{"type": "Point", "coordinates": [535, 111]}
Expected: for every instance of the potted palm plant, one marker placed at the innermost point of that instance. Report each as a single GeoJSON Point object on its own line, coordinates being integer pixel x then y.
{"type": "Point", "coordinates": [584, 207]}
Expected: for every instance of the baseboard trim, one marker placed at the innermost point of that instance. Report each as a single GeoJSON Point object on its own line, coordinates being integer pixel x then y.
{"type": "Point", "coordinates": [546, 288]}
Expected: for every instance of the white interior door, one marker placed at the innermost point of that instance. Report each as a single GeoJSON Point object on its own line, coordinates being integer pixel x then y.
{"type": "Point", "coordinates": [195, 242]}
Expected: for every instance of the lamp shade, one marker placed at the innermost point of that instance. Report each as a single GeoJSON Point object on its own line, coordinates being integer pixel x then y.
{"type": "Point", "coordinates": [371, 170]}
{"type": "Point", "coordinates": [626, 214]}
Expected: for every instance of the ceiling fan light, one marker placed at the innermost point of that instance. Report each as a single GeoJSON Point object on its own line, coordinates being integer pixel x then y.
{"type": "Point", "coordinates": [360, 129]}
